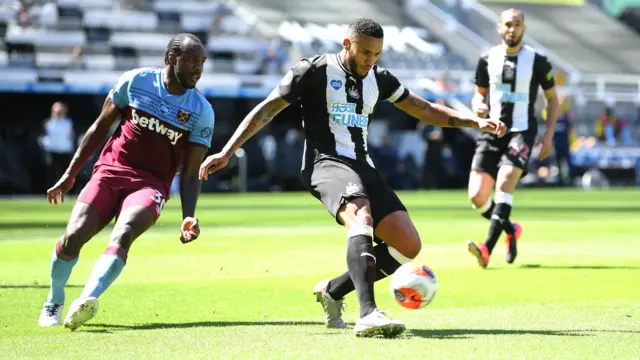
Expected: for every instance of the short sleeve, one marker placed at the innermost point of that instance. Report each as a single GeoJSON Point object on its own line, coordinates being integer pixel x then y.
{"type": "Point", "coordinates": [296, 81]}
{"type": "Point", "coordinates": [203, 130]}
{"type": "Point", "coordinates": [543, 72]}
{"type": "Point", "coordinates": [482, 72]}
{"type": "Point", "coordinates": [120, 93]}
{"type": "Point", "coordinates": [389, 87]}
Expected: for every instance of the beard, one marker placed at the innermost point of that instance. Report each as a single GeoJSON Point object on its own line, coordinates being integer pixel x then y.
{"type": "Point", "coordinates": [353, 67]}
{"type": "Point", "coordinates": [182, 80]}
{"type": "Point", "coordinates": [512, 43]}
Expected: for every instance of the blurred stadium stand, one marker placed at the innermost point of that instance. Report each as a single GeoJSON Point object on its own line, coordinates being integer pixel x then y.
{"type": "Point", "coordinates": [74, 51]}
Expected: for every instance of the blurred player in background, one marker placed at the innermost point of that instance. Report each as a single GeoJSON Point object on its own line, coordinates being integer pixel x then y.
{"type": "Point", "coordinates": [339, 93]}
{"type": "Point", "coordinates": [508, 77]}
{"type": "Point", "coordinates": [165, 122]}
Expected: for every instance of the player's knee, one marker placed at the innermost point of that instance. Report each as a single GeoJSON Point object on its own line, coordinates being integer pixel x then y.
{"type": "Point", "coordinates": [122, 236]}
{"type": "Point", "coordinates": [478, 195]}
{"type": "Point", "coordinates": [478, 198]}
{"type": "Point", "coordinates": [509, 180]}
{"type": "Point", "coordinates": [71, 242]}
{"type": "Point", "coordinates": [364, 218]}
{"type": "Point", "coordinates": [412, 244]}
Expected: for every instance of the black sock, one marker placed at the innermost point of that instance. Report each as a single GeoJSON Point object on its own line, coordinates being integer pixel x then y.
{"type": "Point", "coordinates": [386, 265]}
{"type": "Point", "coordinates": [510, 229]}
{"type": "Point", "coordinates": [362, 269]}
{"type": "Point", "coordinates": [499, 221]}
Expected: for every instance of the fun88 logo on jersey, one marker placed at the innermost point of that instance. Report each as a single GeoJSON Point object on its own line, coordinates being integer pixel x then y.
{"type": "Point", "coordinates": [507, 96]}
{"type": "Point", "coordinates": [345, 114]}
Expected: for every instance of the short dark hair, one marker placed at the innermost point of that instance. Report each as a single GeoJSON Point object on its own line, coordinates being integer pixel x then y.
{"type": "Point", "coordinates": [176, 45]}
{"type": "Point", "coordinates": [368, 27]}
{"type": "Point", "coordinates": [514, 10]}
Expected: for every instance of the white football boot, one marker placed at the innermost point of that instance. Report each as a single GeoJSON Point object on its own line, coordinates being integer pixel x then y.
{"type": "Point", "coordinates": [378, 324]}
{"type": "Point", "coordinates": [82, 310]}
{"type": "Point", "coordinates": [50, 315]}
{"type": "Point", "coordinates": [332, 308]}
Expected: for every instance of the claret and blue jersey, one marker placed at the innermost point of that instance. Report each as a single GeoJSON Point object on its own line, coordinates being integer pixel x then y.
{"type": "Point", "coordinates": [156, 127]}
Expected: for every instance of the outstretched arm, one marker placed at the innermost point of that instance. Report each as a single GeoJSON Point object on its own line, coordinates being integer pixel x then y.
{"type": "Point", "coordinates": [443, 116]}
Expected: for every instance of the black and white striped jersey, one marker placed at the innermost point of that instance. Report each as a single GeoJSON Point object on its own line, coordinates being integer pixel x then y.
{"type": "Point", "coordinates": [513, 81]}
{"type": "Point", "coordinates": [337, 107]}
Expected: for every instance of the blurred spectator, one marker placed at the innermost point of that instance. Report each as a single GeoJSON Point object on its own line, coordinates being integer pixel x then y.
{"type": "Point", "coordinates": [269, 146]}
{"type": "Point", "coordinates": [289, 161]}
{"type": "Point", "coordinates": [58, 142]}
{"type": "Point", "coordinates": [562, 139]}
{"type": "Point", "coordinates": [77, 62]}
{"type": "Point", "coordinates": [32, 14]}
{"type": "Point", "coordinates": [396, 171]}
{"type": "Point", "coordinates": [20, 160]}
{"type": "Point", "coordinates": [447, 158]}
{"type": "Point", "coordinates": [450, 173]}
{"type": "Point", "coordinates": [13, 177]}
{"type": "Point", "coordinates": [27, 12]}
{"type": "Point", "coordinates": [385, 158]}
{"type": "Point", "coordinates": [273, 58]}
{"type": "Point", "coordinates": [612, 130]}
{"type": "Point", "coordinates": [222, 11]}
{"type": "Point", "coordinates": [433, 164]}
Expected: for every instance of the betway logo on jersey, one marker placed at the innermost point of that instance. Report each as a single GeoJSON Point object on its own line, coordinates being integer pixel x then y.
{"type": "Point", "coordinates": [156, 125]}
{"type": "Point", "coordinates": [507, 96]}
{"type": "Point", "coordinates": [345, 114]}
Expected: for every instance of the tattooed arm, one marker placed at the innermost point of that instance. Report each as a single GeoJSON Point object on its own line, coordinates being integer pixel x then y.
{"type": "Point", "coordinates": [434, 114]}
{"type": "Point", "coordinates": [443, 116]}
{"type": "Point", "coordinates": [260, 116]}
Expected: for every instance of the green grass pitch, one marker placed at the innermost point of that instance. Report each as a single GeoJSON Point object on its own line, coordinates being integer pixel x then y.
{"type": "Point", "coordinates": [244, 289]}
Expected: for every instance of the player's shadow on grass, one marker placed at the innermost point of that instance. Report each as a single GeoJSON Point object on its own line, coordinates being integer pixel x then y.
{"type": "Point", "coordinates": [469, 333]}
{"type": "Point", "coordinates": [33, 286]}
{"type": "Point", "coordinates": [579, 267]}
{"type": "Point", "coordinates": [154, 326]}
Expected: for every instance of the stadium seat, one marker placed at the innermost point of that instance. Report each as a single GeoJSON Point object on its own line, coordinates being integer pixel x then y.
{"type": "Point", "coordinates": [120, 20]}
{"type": "Point", "coordinates": [52, 60]}
{"type": "Point", "coordinates": [18, 75]}
{"type": "Point", "coordinates": [44, 38]}
{"type": "Point", "coordinates": [138, 40]}
{"type": "Point", "coordinates": [99, 62]}
{"type": "Point", "coordinates": [184, 7]}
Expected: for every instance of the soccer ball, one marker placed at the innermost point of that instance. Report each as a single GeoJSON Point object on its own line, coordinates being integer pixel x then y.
{"type": "Point", "coordinates": [413, 285]}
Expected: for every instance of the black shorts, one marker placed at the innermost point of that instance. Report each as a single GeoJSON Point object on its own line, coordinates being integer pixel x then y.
{"type": "Point", "coordinates": [338, 180]}
{"type": "Point", "coordinates": [512, 149]}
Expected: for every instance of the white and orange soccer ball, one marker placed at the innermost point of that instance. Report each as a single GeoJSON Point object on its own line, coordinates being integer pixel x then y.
{"type": "Point", "coordinates": [413, 285]}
